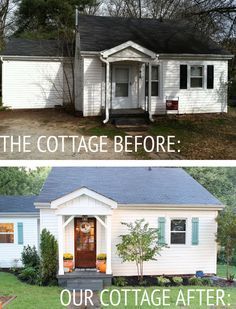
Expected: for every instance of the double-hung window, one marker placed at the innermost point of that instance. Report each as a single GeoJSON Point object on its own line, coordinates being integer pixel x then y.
{"type": "Point", "coordinates": [196, 76]}
{"type": "Point", "coordinates": [178, 231]}
{"type": "Point", "coordinates": [154, 81]}
{"type": "Point", "coordinates": [6, 233]}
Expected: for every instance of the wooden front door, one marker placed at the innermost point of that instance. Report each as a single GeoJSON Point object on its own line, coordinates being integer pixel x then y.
{"type": "Point", "coordinates": [85, 243]}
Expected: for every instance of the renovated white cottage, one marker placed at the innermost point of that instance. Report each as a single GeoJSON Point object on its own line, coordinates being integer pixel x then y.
{"type": "Point", "coordinates": [102, 198]}
{"type": "Point", "coordinates": [122, 65]}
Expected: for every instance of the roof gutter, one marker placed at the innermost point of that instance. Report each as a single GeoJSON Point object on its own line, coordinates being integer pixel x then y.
{"type": "Point", "coordinates": [173, 206]}
{"type": "Point", "coordinates": [196, 56]}
{"type": "Point", "coordinates": [20, 214]}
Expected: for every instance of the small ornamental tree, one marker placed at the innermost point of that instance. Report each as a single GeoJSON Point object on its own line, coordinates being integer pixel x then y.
{"type": "Point", "coordinates": [49, 258]}
{"type": "Point", "coordinates": [226, 235]}
{"type": "Point", "coordinates": [139, 245]}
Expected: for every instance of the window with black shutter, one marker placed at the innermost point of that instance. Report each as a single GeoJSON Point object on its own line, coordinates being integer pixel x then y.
{"type": "Point", "coordinates": [183, 76]}
{"type": "Point", "coordinates": [210, 77]}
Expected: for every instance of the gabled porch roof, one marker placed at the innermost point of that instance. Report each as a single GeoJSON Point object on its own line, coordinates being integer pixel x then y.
{"type": "Point", "coordinates": [129, 51]}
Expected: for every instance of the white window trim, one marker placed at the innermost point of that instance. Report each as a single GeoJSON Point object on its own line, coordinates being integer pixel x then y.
{"type": "Point", "coordinates": [153, 80]}
{"type": "Point", "coordinates": [14, 234]}
{"type": "Point", "coordinates": [187, 244]}
{"type": "Point", "coordinates": [203, 76]}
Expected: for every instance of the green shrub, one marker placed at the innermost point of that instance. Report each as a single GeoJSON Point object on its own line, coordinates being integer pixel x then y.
{"type": "Point", "coordinates": [195, 281]}
{"type": "Point", "coordinates": [120, 281]}
{"type": "Point", "coordinates": [49, 258]}
{"type": "Point", "coordinates": [206, 281]}
{"type": "Point", "coordinates": [162, 281]}
{"type": "Point", "coordinates": [29, 275]}
{"type": "Point", "coordinates": [177, 280]}
{"type": "Point", "coordinates": [30, 257]}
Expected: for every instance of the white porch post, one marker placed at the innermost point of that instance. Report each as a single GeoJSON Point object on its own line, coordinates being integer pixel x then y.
{"type": "Point", "coordinates": [108, 245]}
{"type": "Point", "coordinates": [60, 244]}
{"type": "Point", "coordinates": [107, 91]}
{"type": "Point", "coordinates": [150, 91]}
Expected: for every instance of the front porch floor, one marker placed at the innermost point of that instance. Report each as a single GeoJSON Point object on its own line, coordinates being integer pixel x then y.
{"type": "Point", "coordinates": [84, 279]}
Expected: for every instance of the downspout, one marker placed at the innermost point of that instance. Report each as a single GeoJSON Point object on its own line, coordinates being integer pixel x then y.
{"type": "Point", "coordinates": [106, 103]}
{"type": "Point", "coordinates": [150, 92]}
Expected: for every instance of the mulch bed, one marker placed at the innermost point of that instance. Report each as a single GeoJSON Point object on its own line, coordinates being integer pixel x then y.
{"type": "Point", "coordinates": [4, 300]}
{"type": "Point", "coordinates": [153, 281]}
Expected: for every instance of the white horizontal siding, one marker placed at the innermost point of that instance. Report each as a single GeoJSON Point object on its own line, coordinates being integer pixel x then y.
{"type": "Point", "coordinates": [32, 84]}
{"type": "Point", "coordinates": [192, 100]}
{"type": "Point", "coordinates": [92, 86]}
{"type": "Point", "coordinates": [10, 254]}
{"type": "Point", "coordinates": [178, 259]}
{"type": "Point", "coordinates": [48, 220]}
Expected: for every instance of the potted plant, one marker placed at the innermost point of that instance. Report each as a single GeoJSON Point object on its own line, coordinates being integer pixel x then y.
{"type": "Point", "coordinates": [101, 262]}
{"type": "Point", "coordinates": [68, 262]}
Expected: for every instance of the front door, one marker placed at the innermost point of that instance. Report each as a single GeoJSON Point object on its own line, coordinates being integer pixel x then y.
{"type": "Point", "coordinates": [85, 243]}
{"type": "Point", "coordinates": [121, 87]}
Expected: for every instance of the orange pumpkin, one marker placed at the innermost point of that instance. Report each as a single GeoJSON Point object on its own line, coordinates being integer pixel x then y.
{"type": "Point", "coordinates": [102, 267]}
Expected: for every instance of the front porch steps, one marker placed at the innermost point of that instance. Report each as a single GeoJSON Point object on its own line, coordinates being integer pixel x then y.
{"type": "Point", "coordinates": [129, 117]}
{"type": "Point", "coordinates": [84, 279]}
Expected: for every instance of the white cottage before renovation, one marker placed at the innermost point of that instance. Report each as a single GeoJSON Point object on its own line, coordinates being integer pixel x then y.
{"type": "Point", "coordinates": [121, 65]}
{"type": "Point", "coordinates": [167, 198]}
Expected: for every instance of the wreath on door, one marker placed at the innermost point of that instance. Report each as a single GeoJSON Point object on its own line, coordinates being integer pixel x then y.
{"type": "Point", "coordinates": [85, 227]}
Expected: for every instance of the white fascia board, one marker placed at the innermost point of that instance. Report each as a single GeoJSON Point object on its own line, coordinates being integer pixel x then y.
{"type": "Point", "coordinates": [19, 215]}
{"type": "Point", "coordinates": [202, 207]}
{"type": "Point", "coordinates": [196, 56]}
{"type": "Point", "coordinates": [42, 205]}
{"type": "Point", "coordinates": [108, 52]}
{"type": "Point", "coordinates": [32, 58]}
{"type": "Point", "coordinates": [83, 191]}
{"type": "Point", "coordinates": [89, 53]}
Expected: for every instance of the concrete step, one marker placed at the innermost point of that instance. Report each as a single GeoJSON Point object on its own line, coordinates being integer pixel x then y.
{"type": "Point", "coordinates": [83, 284]}
{"type": "Point", "coordinates": [127, 121]}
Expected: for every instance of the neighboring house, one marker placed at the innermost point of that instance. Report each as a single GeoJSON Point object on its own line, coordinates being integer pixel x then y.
{"type": "Point", "coordinates": [167, 198]}
{"type": "Point", "coordinates": [121, 65]}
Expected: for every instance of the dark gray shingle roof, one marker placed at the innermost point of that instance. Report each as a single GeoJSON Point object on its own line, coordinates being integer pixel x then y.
{"type": "Point", "coordinates": [128, 185]}
{"type": "Point", "coordinates": [25, 47]}
{"type": "Point", "coordinates": [100, 33]}
{"type": "Point", "coordinates": [17, 204]}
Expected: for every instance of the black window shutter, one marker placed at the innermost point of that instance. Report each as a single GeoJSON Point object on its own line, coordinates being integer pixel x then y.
{"type": "Point", "coordinates": [210, 77]}
{"type": "Point", "coordinates": [183, 76]}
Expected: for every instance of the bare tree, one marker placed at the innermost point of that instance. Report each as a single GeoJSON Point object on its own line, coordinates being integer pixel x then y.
{"type": "Point", "coordinates": [6, 18]}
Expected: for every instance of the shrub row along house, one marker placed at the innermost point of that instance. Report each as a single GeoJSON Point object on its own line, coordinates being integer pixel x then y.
{"type": "Point", "coordinates": [84, 209]}
{"type": "Point", "coordinates": [120, 65]}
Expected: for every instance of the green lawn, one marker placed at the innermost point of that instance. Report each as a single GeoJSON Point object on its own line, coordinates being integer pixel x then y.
{"type": "Point", "coordinates": [221, 270]}
{"type": "Point", "coordinates": [29, 296]}
{"type": "Point", "coordinates": [35, 297]}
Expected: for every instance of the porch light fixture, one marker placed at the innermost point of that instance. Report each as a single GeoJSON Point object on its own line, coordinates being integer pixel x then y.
{"type": "Point", "coordinates": [84, 218]}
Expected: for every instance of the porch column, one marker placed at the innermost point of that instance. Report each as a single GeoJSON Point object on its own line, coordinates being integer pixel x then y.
{"type": "Point", "coordinates": [108, 245]}
{"type": "Point", "coordinates": [150, 91]}
{"type": "Point", "coordinates": [60, 221]}
{"type": "Point", "coordinates": [107, 91]}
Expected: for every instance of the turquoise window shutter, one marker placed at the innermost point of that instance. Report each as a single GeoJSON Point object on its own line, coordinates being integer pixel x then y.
{"type": "Point", "coordinates": [161, 230]}
{"type": "Point", "coordinates": [195, 231]}
{"type": "Point", "coordinates": [20, 233]}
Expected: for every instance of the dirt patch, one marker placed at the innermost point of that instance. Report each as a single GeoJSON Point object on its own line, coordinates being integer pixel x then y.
{"type": "Point", "coordinates": [202, 137]}
{"type": "Point", "coordinates": [52, 123]}
{"type": "Point", "coordinates": [5, 300]}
